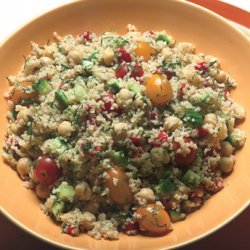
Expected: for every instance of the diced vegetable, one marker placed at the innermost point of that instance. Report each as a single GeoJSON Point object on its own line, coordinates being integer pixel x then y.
{"type": "Point", "coordinates": [117, 183]}
{"type": "Point", "coordinates": [162, 37]}
{"type": "Point", "coordinates": [136, 71]}
{"type": "Point", "coordinates": [65, 192]}
{"type": "Point", "coordinates": [177, 216]}
{"type": "Point", "coordinates": [183, 160]}
{"type": "Point", "coordinates": [116, 85]}
{"type": "Point", "coordinates": [193, 117]}
{"type": "Point", "coordinates": [159, 90]}
{"type": "Point", "coordinates": [57, 208]}
{"type": "Point", "coordinates": [136, 88]}
{"type": "Point", "coordinates": [165, 186]}
{"type": "Point", "coordinates": [42, 87]}
{"type": "Point", "coordinates": [144, 50]}
{"type": "Point", "coordinates": [191, 178]}
{"type": "Point", "coordinates": [47, 171]}
{"type": "Point", "coordinates": [154, 219]}
{"type": "Point", "coordinates": [58, 145]}
{"type": "Point", "coordinates": [119, 157]}
{"type": "Point", "coordinates": [61, 98]}
{"type": "Point", "coordinates": [121, 71]}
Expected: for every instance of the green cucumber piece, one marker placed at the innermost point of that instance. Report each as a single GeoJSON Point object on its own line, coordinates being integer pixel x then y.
{"type": "Point", "coordinates": [57, 208]}
{"type": "Point", "coordinates": [177, 216]}
{"type": "Point", "coordinates": [61, 98]}
{"type": "Point", "coordinates": [191, 178]}
{"type": "Point", "coordinates": [119, 157]}
{"type": "Point", "coordinates": [136, 88]}
{"type": "Point", "coordinates": [165, 186]}
{"type": "Point", "coordinates": [42, 87]}
{"type": "Point", "coordinates": [65, 192]}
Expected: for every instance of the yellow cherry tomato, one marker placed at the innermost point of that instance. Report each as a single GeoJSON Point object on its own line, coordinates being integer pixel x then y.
{"type": "Point", "coordinates": [154, 219]}
{"type": "Point", "coordinates": [144, 49]}
{"type": "Point", "coordinates": [117, 183]}
{"type": "Point", "coordinates": [159, 90]}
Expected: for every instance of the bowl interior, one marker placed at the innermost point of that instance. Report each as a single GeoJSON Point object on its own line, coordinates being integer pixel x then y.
{"type": "Point", "coordinates": [185, 22]}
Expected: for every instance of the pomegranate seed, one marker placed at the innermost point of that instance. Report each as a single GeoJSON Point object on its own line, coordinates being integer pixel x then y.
{"type": "Point", "coordinates": [161, 138]}
{"type": "Point", "coordinates": [169, 74]}
{"type": "Point", "coordinates": [154, 116]}
{"type": "Point", "coordinates": [87, 36]}
{"type": "Point", "coordinates": [214, 185]}
{"type": "Point", "coordinates": [180, 91]}
{"type": "Point", "coordinates": [201, 66]}
{"type": "Point", "coordinates": [136, 141]}
{"type": "Point", "coordinates": [132, 228]}
{"type": "Point", "coordinates": [166, 204]}
{"type": "Point", "coordinates": [202, 132]}
{"type": "Point", "coordinates": [123, 55]}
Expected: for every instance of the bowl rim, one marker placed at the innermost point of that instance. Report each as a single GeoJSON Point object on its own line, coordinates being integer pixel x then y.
{"type": "Point", "coordinates": [185, 243]}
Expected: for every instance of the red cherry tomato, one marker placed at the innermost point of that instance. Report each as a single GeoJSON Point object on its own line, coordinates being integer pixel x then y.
{"type": "Point", "coordinates": [161, 138]}
{"type": "Point", "coordinates": [123, 55]}
{"type": "Point", "coordinates": [122, 71]}
{"type": "Point", "coordinates": [184, 160]}
{"type": "Point", "coordinates": [136, 71]}
{"type": "Point", "coordinates": [46, 171]}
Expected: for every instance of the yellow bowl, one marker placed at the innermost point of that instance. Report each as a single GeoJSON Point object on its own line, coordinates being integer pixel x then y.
{"type": "Point", "coordinates": [185, 22]}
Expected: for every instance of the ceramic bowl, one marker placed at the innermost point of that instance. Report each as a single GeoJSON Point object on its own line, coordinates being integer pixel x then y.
{"type": "Point", "coordinates": [185, 22]}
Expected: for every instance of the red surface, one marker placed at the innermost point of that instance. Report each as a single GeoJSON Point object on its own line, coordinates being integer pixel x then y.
{"type": "Point", "coordinates": [234, 236]}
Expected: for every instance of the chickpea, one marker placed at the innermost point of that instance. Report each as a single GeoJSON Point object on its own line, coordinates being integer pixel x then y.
{"type": "Point", "coordinates": [108, 56]}
{"type": "Point", "coordinates": [240, 112]}
{"type": "Point", "coordinates": [226, 148]}
{"type": "Point", "coordinates": [222, 132]}
{"type": "Point", "coordinates": [64, 128]}
{"type": "Point", "coordinates": [139, 102]}
{"type": "Point", "coordinates": [226, 164]}
{"type": "Point", "coordinates": [92, 207]}
{"type": "Point", "coordinates": [145, 195]}
{"type": "Point", "coordinates": [83, 191]}
{"type": "Point", "coordinates": [87, 220]}
{"type": "Point", "coordinates": [221, 76]}
{"type": "Point", "coordinates": [23, 114]}
{"type": "Point", "coordinates": [190, 74]}
{"type": "Point", "coordinates": [23, 166]}
{"type": "Point", "coordinates": [46, 61]}
{"type": "Point", "coordinates": [238, 138]}
{"type": "Point", "coordinates": [42, 191]}
{"type": "Point", "coordinates": [186, 47]}
{"type": "Point", "coordinates": [159, 156]}
{"type": "Point", "coordinates": [171, 123]}
{"type": "Point", "coordinates": [210, 119]}
{"type": "Point", "coordinates": [167, 53]}
{"type": "Point", "coordinates": [120, 128]}
{"type": "Point", "coordinates": [125, 94]}
{"type": "Point", "coordinates": [74, 55]}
